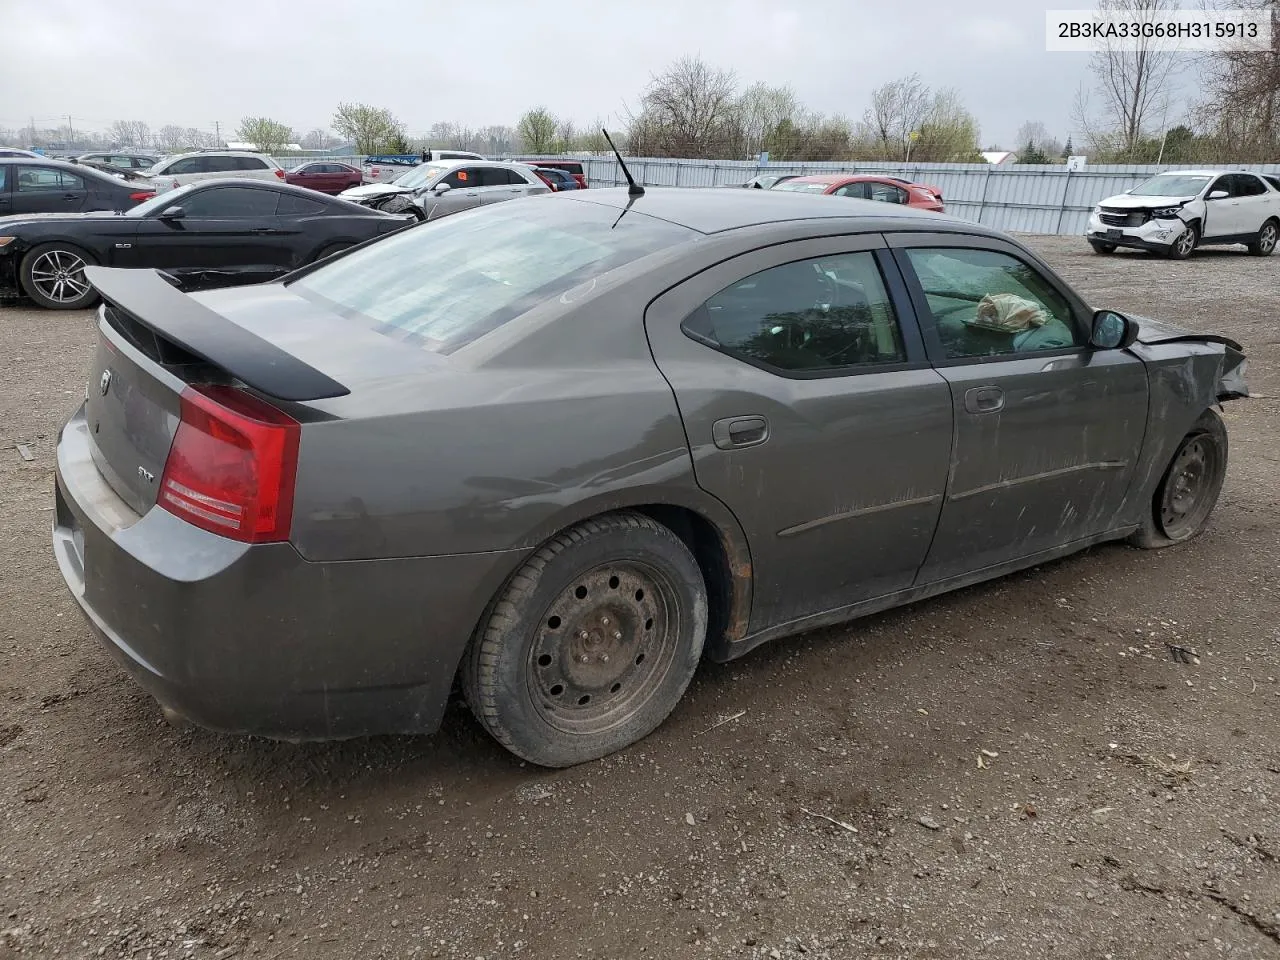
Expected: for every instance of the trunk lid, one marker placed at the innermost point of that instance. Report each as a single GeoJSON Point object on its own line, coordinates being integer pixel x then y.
{"type": "Point", "coordinates": [154, 340]}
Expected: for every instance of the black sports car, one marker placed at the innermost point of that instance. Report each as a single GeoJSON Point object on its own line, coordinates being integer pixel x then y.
{"type": "Point", "coordinates": [211, 234]}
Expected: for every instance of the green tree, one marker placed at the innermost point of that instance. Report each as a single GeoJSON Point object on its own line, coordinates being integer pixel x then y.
{"type": "Point", "coordinates": [538, 131]}
{"type": "Point", "coordinates": [267, 135]}
{"type": "Point", "coordinates": [1030, 153]}
{"type": "Point", "coordinates": [370, 128]}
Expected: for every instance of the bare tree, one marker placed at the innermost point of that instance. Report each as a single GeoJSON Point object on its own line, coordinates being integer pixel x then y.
{"type": "Point", "coordinates": [536, 131]}
{"type": "Point", "coordinates": [130, 133]}
{"type": "Point", "coordinates": [317, 139]}
{"type": "Point", "coordinates": [688, 110]}
{"type": "Point", "coordinates": [897, 110]}
{"type": "Point", "coordinates": [171, 138]}
{"type": "Point", "coordinates": [1240, 92]}
{"type": "Point", "coordinates": [1132, 85]}
{"type": "Point", "coordinates": [1035, 132]}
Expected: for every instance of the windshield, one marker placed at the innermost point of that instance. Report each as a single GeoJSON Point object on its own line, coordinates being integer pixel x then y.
{"type": "Point", "coordinates": [420, 175]}
{"type": "Point", "coordinates": [800, 186]}
{"type": "Point", "coordinates": [1171, 185]}
{"type": "Point", "coordinates": [442, 285]}
{"type": "Point", "coordinates": [161, 201]}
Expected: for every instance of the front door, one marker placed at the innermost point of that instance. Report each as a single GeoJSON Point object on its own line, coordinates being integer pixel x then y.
{"type": "Point", "coordinates": [226, 234]}
{"type": "Point", "coordinates": [1048, 430]}
{"type": "Point", "coordinates": [813, 413]}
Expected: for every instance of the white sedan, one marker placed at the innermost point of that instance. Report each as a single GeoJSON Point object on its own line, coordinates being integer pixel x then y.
{"type": "Point", "coordinates": [1175, 212]}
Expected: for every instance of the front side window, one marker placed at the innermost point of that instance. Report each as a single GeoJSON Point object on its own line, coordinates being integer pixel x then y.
{"type": "Point", "coordinates": [463, 177]}
{"type": "Point", "coordinates": [1247, 185]}
{"type": "Point", "coordinates": [986, 303]}
{"type": "Point", "coordinates": [823, 314]}
{"type": "Point", "coordinates": [187, 165]}
{"type": "Point", "coordinates": [230, 203]}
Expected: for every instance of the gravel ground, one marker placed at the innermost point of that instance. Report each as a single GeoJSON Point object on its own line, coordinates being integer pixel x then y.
{"type": "Point", "coordinates": [1014, 770]}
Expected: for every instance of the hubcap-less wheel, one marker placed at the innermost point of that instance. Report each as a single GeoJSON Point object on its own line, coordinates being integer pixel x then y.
{"type": "Point", "coordinates": [59, 275]}
{"type": "Point", "coordinates": [1186, 243]}
{"type": "Point", "coordinates": [1267, 238]}
{"type": "Point", "coordinates": [604, 647]}
{"type": "Point", "coordinates": [1187, 494]}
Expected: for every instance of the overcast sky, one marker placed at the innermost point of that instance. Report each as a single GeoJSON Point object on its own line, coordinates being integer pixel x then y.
{"type": "Point", "coordinates": [484, 62]}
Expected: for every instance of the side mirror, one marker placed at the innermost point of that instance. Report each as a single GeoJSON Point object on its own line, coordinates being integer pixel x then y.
{"type": "Point", "coordinates": [441, 188]}
{"type": "Point", "coordinates": [1112, 331]}
{"type": "Point", "coordinates": [1217, 195]}
{"type": "Point", "coordinates": [173, 213]}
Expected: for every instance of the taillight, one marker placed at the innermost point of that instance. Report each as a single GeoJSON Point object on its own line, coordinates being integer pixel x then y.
{"type": "Point", "coordinates": [232, 466]}
{"type": "Point", "coordinates": [142, 195]}
{"type": "Point", "coordinates": [279, 173]}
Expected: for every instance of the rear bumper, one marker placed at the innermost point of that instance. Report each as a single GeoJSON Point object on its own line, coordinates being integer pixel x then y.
{"type": "Point", "coordinates": [255, 639]}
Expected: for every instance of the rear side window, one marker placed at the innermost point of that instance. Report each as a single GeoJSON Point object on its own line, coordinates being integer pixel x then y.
{"type": "Point", "coordinates": [441, 286]}
{"type": "Point", "coordinates": [499, 177]}
{"type": "Point", "coordinates": [1274, 181]}
{"type": "Point", "coordinates": [248, 163]}
{"type": "Point", "coordinates": [824, 314]}
{"type": "Point", "coordinates": [291, 206]}
{"type": "Point", "coordinates": [4, 178]}
{"type": "Point", "coordinates": [38, 179]}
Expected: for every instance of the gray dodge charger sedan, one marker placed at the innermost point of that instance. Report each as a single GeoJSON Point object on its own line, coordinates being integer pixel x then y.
{"type": "Point", "coordinates": [561, 448]}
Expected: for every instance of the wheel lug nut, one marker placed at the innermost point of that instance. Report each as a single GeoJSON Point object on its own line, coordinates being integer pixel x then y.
{"type": "Point", "coordinates": [583, 659]}
{"type": "Point", "coordinates": [605, 621]}
{"type": "Point", "coordinates": [604, 658]}
{"type": "Point", "coordinates": [583, 635]}
{"type": "Point", "coordinates": [617, 634]}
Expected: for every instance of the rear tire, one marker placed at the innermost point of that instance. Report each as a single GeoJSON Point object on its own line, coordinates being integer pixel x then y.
{"type": "Point", "coordinates": [591, 644]}
{"type": "Point", "coordinates": [1188, 492]}
{"type": "Point", "coordinates": [52, 275]}
{"type": "Point", "coordinates": [1102, 248]}
{"type": "Point", "coordinates": [1265, 244]}
{"type": "Point", "coordinates": [1186, 243]}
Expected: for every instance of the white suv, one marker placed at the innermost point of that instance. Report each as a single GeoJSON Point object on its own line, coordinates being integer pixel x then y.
{"type": "Point", "coordinates": [184, 168]}
{"type": "Point", "coordinates": [1174, 212]}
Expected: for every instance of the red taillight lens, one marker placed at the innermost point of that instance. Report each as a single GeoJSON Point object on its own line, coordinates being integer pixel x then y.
{"type": "Point", "coordinates": [232, 466]}
{"type": "Point", "coordinates": [142, 195]}
{"type": "Point", "coordinates": [279, 173]}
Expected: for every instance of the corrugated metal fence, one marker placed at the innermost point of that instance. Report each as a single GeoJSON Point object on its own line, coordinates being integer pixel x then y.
{"type": "Point", "coordinates": [1027, 199]}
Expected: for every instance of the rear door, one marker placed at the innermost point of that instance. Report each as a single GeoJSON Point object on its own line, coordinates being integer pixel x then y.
{"type": "Point", "coordinates": [1257, 204]}
{"type": "Point", "coordinates": [1047, 430]}
{"type": "Point", "coordinates": [813, 413]}
{"type": "Point", "coordinates": [41, 189]}
{"type": "Point", "coordinates": [8, 174]}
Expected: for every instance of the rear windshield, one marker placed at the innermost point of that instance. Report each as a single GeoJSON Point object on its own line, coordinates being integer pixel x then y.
{"type": "Point", "coordinates": [800, 186]}
{"type": "Point", "coordinates": [443, 284]}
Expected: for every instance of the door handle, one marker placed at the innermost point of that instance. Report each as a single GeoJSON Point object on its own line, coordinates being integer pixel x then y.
{"type": "Point", "coordinates": [70, 196]}
{"type": "Point", "coordinates": [984, 399]}
{"type": "Point", "coordinates": [732, 433]}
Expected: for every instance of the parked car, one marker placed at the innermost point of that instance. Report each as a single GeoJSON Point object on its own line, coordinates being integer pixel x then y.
{"type": "Point", "coordinates": [120, 173]}
{"type": "Point", "coordinates": [15, 152]}
{"type": "Point", "coordinates": [387, 168]}
{"type": "Point", "coordinates": [867, 187]}
{"type": "Point", "coordinates": [184, 168]}
{"type": "Point", "coordinates": [326, 176]}
{"type": "Point", "coordinates": [565, 447]}
{"type": "Point", "coordinates": [573, 167]}
{"type": "Point", "coordinates": [53, 186]}
{"type": "Point", "coordinates": [201, 235]}
{"type": "Point", "coordinates": [1173, 213]}
{"type": "Point", "coordinates": [126, 161]}
{"type": "Point", "coordinates": [434, 190]}
{"type": "Point", "coordinates": [557, 179]}
{"type": "Point", "coordinates": [766, 181]}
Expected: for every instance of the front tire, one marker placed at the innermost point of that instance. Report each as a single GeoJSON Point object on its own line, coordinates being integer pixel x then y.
{"type": "Point", "coordinates": [1186, 243]}
{"type": "Point", "coordinates": [1265, 243]}
{"type": "Point", "coordinates": [52, 275]}
{"type": "Point", "coordinates": [591, 643]}
{"type": "Point", "coordinates": [1101, 248]}
{"type": "Point", "coordinates": [1189, 490]}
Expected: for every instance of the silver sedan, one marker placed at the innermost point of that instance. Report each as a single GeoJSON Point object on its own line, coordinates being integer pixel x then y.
{"type": "Point", "coordinates": [433, 190]}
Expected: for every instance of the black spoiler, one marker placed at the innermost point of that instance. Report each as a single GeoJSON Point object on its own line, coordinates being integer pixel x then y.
{"type": "Point", "coordinates": [151, 300]}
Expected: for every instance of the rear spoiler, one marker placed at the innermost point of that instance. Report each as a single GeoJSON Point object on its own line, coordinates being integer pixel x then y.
{"type": "Point", "coordinates": [151, 300]}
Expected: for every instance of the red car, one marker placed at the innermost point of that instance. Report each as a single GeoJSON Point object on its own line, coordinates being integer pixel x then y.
{"type": "Point", "coordinates": [868, 187]}
{"type": "Point", "coordinates": [572, 167]}
{"type": "Point", "coordinates": [325, 176]}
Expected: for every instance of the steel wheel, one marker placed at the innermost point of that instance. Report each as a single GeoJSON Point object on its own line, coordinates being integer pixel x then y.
{"type": "Point", "coordinates": [1188, 493]}
{"type": "Point", "coordinates": [604, 647]}
{"type": "Point", "coordinates": [59, 276]}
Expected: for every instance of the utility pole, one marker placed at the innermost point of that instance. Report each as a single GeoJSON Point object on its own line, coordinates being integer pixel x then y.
{"type": "Point", "coordinates": [217, 134]}
{"type": "Point", "coordinates": [71, 133]}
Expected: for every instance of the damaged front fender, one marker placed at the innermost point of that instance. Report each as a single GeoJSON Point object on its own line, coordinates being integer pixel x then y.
{"type": "Point", "coordinates": [1231, 377]}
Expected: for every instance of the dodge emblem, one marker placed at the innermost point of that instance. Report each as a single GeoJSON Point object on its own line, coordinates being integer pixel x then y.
{"type": "Point", "coordinates": [105, 383]}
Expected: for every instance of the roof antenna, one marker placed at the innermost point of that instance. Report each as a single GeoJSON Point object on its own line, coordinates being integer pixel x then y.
{"type": "Point", "coordinates": [633, 189]}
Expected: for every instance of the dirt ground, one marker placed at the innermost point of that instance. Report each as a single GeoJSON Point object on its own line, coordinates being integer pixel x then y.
{"type": "Point", "coordinates": [1015, 770]}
